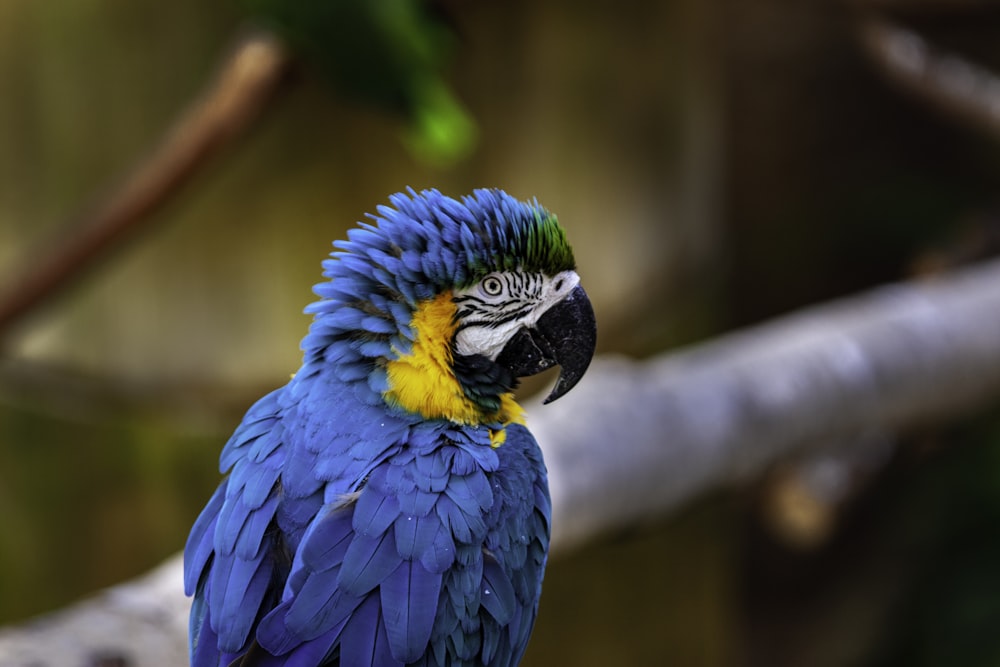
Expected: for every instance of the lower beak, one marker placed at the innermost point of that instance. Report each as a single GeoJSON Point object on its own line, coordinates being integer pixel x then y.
{"type": "Point", "coordinates": [565, 336]}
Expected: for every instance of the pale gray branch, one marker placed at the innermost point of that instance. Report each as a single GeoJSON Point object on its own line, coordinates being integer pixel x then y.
{"type": "Point", "coordinates": [639, 439]}
{"type": "Point", "coordinates": [141, 623]}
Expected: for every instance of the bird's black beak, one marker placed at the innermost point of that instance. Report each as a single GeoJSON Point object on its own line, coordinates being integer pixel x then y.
{"type": "Point", "coordinates": [565, 336]}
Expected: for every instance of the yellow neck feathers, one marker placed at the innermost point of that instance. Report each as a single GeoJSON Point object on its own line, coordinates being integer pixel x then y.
{"type": "Point", "coordinates": [423, 380]}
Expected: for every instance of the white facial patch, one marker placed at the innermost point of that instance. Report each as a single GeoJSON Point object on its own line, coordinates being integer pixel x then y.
{"type": "Point", "coordinates": [498, 306]}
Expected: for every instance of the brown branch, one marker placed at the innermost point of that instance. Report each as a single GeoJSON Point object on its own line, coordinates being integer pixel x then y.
{"type": "Point", "coordinates": [951, 83]}
{"type": "Point", "coordinates": [245, 82]}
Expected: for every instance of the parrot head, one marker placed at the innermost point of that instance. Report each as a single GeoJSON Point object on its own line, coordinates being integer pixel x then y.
{"type": "Point", "coordinates": [440, 305]}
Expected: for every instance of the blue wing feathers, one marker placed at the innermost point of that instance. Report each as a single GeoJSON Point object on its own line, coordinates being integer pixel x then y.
{"type": "Point", "coordinates": [409, 600]}
{"type": "Point", "coordinates": [294, 515]}
{"type": "Point", "coordinates": [204, 640]}
{"type": "Point", "coordinates": [497, 592]}
{"type": "Point", "coordinates": [367, 562]}
{"type": "Point", "coordinates": [232, 518]}
{"type": "Point", "coordinates": [406, 532]}
{"type": "Point", "coordinates": [253, 483]}
{"type": "Point", "coordinates": [463, 463]}
{"type": "Point", "coordinates": [251, 536]}
{"type": "Point", "coordinates": [491, 644]}
{"type": "Point", "coordinates": [243, 610]}
{"type": "Point", "coordinates": [294, 652]}
{"type": "Point", "coordinates": [374, 513]}
{"type": "Point", "coordinates": [258, 420]}
{"type": "Point", "coordinates": [327, 542]}
{"type": "Point", "coordinates": [199, 547]}
{"type": "Point", "coordinates": [323, 439]}
{"type": "Point", "coordinates": [470, 491]}
{"type": "Point", "coordinates": [316, 593]}
{"type": "Point", "coordinates": [426, 539]}
{"type": "Point", "coordinates": [397, 480]}
{"type": "Point", "coordinates": [264, 446]}
{"type": "Point", "coordinates": [298, 479]}
{"type": "Point", "coordinates": [365, 640]}
{"type": "Point", "coordinates": [438, 557]}
{"type": "Point", "coordinates": [543, 507]}
{"type": "Point", "coordinates": [434, 469]}
{"type": "Point", "coordinates": [464, 524]}
{"type": "Point", "coordinates": [418, 502]}
{"type": "Point", "coordinates": [236, 590]}
{"type": "Point", "coordinates": [439, 554]}
{"type": "Point", "coordinates": [463, 580]}
{"type": "Point", "coordinates": [319, 606]}
{"type": "Point", "coordinates": [220, 576]}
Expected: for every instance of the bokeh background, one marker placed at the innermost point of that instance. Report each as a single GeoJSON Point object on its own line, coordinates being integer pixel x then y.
{"type": "Point", "coordinates": [715, 163]}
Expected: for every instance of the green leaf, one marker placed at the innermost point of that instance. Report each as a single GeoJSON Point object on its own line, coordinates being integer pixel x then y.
{"type": "Point", "coordinates": [387, 52]}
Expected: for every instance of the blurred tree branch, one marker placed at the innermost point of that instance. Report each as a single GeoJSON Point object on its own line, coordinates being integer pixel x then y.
{"type": "Point", "coordinates": [639, 439]}
{"type": "Point", "coordinates": [245, 82]}
{"type": "Point", "coordinates": [391, 58]}
{"type": "Point", "coordinates": [947, 81]}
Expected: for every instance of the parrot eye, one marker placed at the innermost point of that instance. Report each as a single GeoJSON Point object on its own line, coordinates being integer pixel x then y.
{"type": "Point", "coordinates": [491, 286]}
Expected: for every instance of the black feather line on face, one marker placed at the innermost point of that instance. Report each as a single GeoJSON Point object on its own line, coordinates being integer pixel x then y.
{"type": "Point", "coordinates": [493, 320]}
{"type": "Point", "coordinates": [525, 290]}
{"type": "Point", "coordinates": [510, 316]}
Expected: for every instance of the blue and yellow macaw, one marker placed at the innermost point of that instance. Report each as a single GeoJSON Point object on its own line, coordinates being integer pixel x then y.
{"type": "Point", "coordinates": [388, 506]}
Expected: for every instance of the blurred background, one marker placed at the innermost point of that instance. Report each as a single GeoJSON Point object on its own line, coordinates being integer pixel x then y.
{"type": "Point", "coordinates": [715, 163]}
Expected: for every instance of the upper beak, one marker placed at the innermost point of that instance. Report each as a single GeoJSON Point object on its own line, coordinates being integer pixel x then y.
{"type": "Point", "coordinates": [565, 336]}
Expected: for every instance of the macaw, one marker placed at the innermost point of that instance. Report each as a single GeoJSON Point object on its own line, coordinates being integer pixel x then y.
{"type": "Point", "coordinates": [388, 506]}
